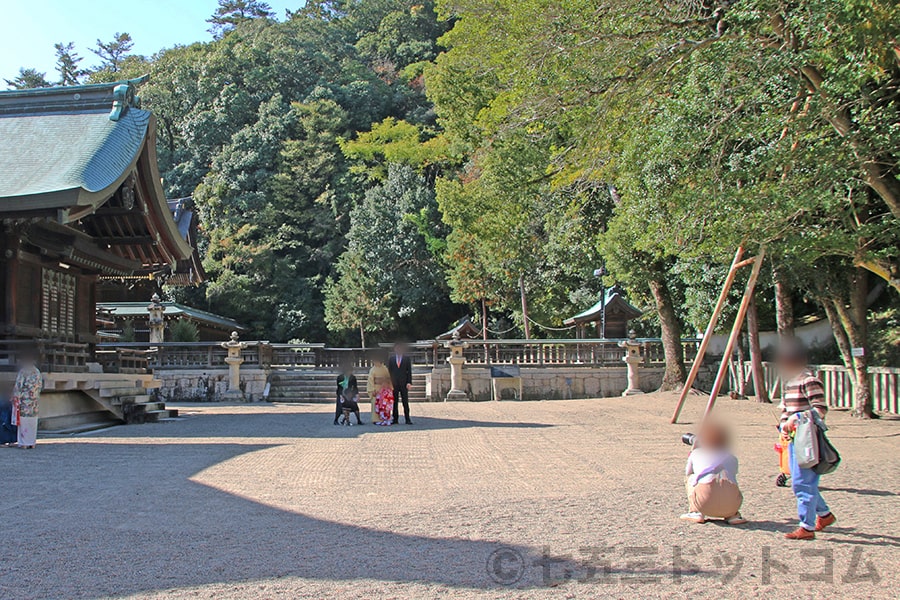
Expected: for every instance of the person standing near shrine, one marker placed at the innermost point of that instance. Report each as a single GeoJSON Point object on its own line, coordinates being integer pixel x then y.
{"type": "Point", "coordinates": [8, 433]}
{"type": "Point", "coordinates": [400, 367]}
{"type": "Point", "coordinates": [803, 391]}
{"type": "Point", "coordinates": [380, 392]}
{"type": "Point", "coordinates": [26, 394]}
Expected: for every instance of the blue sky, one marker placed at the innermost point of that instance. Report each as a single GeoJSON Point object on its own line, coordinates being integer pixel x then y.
{"type": "Point", "coordinates": [28, 29]}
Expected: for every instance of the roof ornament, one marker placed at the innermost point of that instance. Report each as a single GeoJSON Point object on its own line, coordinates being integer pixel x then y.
{"type": "Point", "coordinates": [123, 99]}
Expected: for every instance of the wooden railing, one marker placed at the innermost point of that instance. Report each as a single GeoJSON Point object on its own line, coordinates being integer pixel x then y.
{"type": "Point", "coordinates": [884, 382]}
{"type": "Point", "coordinates": [123, 360]}
{"type": "Point", "coordinates": [428, 354]}
{"type": "Point", "coordinates": [54, 356]}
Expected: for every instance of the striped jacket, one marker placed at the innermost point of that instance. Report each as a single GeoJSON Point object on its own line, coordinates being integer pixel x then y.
{"type": "Point", "coordinates": [802, 393]}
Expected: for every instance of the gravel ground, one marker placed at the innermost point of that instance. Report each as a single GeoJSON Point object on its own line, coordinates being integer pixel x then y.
{"type": "Point", "coordinates": [574, 499]}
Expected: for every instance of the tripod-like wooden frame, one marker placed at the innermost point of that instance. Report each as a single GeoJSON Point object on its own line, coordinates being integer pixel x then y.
{"type": "Point", "coordinates": [736, 265]}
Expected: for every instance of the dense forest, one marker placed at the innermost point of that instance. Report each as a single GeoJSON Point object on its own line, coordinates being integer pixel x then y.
{"type": "Point", "coordinates": [384, 167]}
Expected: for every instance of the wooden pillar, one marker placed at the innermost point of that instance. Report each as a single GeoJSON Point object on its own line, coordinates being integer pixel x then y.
{"type": "Point", "coordinates": [10, 278]}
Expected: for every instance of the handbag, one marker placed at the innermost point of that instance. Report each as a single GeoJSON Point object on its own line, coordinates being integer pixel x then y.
{"type": "Point", "coordinates": [806, 441]}
{"type": "Point", "coordinates": [829, 458]}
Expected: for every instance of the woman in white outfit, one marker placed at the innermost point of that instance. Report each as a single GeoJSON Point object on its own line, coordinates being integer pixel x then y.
{"type": "Point", "coordinates": [26, 394]}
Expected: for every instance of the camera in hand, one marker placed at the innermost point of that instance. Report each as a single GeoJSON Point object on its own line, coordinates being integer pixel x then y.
{"type": "Point", "coordinates": [689, 439]}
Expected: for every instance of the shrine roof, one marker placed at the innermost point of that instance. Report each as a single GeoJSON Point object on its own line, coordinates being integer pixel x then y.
{"type": "Point", "coordinates": [68, 146]}
{"type": "Point", "coordinates": [84, 157]}
{"type": "Point", "coordinates": [173, 309]}
{"type": "Point", "coordinates": [612, 300]}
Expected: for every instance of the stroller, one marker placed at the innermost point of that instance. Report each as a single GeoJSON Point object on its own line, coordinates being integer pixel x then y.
{"type": "Point", "coordinates": [784, 460]}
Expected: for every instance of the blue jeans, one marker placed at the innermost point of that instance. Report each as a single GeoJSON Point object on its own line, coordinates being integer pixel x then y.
{"type": "Point", "coordinates": [805, 483]}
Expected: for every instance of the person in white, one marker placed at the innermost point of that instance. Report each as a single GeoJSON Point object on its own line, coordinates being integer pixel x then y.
{"type": "Point", "coordinates": [711, 472]}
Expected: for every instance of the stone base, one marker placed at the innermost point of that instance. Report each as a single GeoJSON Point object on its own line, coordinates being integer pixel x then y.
{"type": "Point", "coordinates": [233, 395]}
{"type": "Point", "coordinates": [457, 396]}
{"type": "Point", "coordinates": [632, 392]}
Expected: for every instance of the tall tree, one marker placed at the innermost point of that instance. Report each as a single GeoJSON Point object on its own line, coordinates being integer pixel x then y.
{"type": "Point", "coordinates": [28, 78]}
{"type": "Point", "coordinates": [67, 61]}
{"type": "Point", "coordinates": [386, 231]}
{"type": "Point", "coordinates": [113, 52]}
{"type": "Point", "coordinates": [232, 13]}
{"type": "Point", "coordinates": [353, 299]}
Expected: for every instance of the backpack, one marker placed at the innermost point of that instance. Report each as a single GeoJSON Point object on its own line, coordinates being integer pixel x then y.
{"type": "Point", "coordinates": [829, 459]}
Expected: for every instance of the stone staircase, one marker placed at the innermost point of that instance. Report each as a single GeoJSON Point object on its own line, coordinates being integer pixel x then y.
{"type": "Point", "coordinates": [78, 402]}
{"type": "Point", "coordinates": [133, 402]}
{"type": "Point", "coordinates": [315, 386]}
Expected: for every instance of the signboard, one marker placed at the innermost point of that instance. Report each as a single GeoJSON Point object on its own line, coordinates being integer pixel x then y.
{"type": "Point", "coordinates": [505, 372]}
{"type": "Point", "coordinates": [859, 352]}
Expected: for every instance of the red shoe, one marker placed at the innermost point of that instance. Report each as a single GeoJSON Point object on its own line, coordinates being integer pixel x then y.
{"type": "Point", "coordinates": [800, 534]}
{"type": "Point", "coordinates": [823, 522]}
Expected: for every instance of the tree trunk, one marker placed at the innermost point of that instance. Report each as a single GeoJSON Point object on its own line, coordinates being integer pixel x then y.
{"type": "Point", "coordinates": [739, 370]}
{"type": "Point", "coordinates": [784, 306]}
{"type": "Point", "coordinates": [362, 336]}
{"type": "Point", "coordinates": [855, 322]}
{"type": "Point", "coordinates": [840, 336]}
{"type": "Point", "coordinates": [849, 325]}
{"type": "Point", "coordinates": [756, 362]}
{"type": "Point", "coordinates": [524, 307]}
{"type": "Point", "coordinates": [671, 335]}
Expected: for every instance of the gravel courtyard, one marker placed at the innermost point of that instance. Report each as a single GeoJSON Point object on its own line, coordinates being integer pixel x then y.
{"type": "Point", "coordinates": [574, 499]}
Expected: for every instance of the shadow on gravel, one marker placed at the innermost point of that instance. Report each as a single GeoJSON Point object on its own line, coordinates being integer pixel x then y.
{"type": "Point", "coordinates": [860, 492]}
{"type": "Point", "coordinates": [298, 425]}
{"type": "Point", "coordinates": [112, 519]}
{"type": "Point", "coordinates": [848, 535]}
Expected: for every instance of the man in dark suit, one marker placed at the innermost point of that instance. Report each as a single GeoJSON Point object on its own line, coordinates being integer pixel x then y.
{"type": "Point", "coordinates": [400, 367]}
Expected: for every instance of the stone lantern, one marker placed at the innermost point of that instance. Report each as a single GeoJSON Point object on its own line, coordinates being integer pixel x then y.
{"type": "Point", "coordinates": [456, 360]}
{"type": "Point", "coordinates": [633, 359]}
{"type": "Point", "coordinates": [234, 361]}
{"type": "Point", "coordinates": [156, 320]}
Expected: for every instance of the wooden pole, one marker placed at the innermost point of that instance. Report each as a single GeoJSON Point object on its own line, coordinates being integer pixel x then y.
{"type": "Point", "coordinates": [710, 329]}
{"type": "Point", "coordinates": [524, 307]}
{"type": "Point", "coordinates": [735, 331]}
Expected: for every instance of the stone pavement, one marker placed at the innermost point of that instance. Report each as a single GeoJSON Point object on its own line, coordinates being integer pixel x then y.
{"type": "Point", "coordinates": [575, 499]}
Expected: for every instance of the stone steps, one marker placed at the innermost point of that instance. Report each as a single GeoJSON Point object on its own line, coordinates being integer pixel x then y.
{"type": "Point", "coordinates": [149, 412]}
{"type": "Point", "coordinates": [132, 402]}
{"type": "Point", "coordinates": [319, 387]}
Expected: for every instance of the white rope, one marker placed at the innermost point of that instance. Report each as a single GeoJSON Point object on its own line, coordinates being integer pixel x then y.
{"type": "Point", "coordinates": [501, 332]}
{"type": "Point", "coordinates": [533, 322]}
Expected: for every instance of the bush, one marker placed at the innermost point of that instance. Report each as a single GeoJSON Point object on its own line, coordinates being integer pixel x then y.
{"type": "Point", "coordinates": [184, 331]}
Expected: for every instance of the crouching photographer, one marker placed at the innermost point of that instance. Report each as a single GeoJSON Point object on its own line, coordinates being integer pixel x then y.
{"type": "Point", "coordinates": [711, 472]}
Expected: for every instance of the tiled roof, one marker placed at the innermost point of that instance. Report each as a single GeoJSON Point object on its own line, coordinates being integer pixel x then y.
{"type": "Point", "coordinates": [68, 155]}
{"type": "Point", "coordinates": [611, 299]}
{"type": "Point", "coordinates": [64, 147]}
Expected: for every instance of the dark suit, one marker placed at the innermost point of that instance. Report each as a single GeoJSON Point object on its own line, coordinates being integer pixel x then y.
{"type": "Point", "coordinates": [401, 376]}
